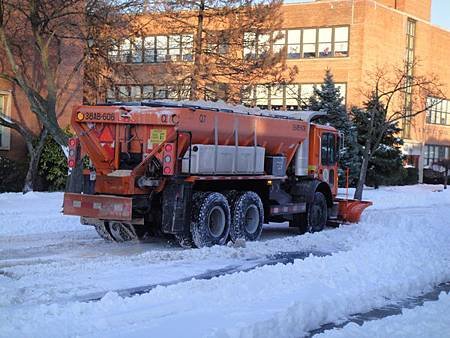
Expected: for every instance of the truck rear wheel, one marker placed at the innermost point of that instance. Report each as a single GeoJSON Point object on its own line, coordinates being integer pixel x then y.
{"type": "Point", "coordinates": [103, 233]}
{"type": "Point", "coordinates": [123, 232]}
{"type": "Point", "coordinates": [210, 224]}
{"type": "Point", "coordinates": [247, 216]}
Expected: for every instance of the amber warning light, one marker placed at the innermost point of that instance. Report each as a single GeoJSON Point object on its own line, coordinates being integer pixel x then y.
{"type": "Point", "coordinates": [73, 152]}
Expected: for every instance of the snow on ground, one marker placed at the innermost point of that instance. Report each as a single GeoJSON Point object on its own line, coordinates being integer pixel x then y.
{"type": "Point", "coordinates": [431, 320]}
{"type": "Point", "coordinates": [49, 262]}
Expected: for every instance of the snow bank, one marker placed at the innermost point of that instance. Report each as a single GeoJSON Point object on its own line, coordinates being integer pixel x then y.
{"type": "Point", "coordinates": [399, 249]}
{"type": "Point", "coordinates": [404, 197]}
{"type": "Point", "coordinates": [430, 320]}
{"type": "Point", "coordinates": [34, 213]}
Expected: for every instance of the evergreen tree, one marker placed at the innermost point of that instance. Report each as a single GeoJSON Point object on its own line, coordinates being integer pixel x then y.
{"type": "Point", "coordinates": [386, 163]}
{"type": "Point", "coordinates": [328, 98]}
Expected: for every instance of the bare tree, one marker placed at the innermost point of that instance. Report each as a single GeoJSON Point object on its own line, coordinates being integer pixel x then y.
{"type": "Point", "coordinates": [394, 97]}
{"type": "Point", "coordinates": [232, 45]}
{"type": "Point", "coordinates": [43, 47]}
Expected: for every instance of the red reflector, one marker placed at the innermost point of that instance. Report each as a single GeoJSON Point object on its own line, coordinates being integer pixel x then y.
{"type": "Point", "coordinates": [106, 135]}
{"type": "Point", "coordinates": [72, 142]}
{"type": "Point", "coordinates": [168, 147]}
{"type": "Point", "coordinates": [71, 164]}
{"type": "Point", "coordinates": [167, 170]}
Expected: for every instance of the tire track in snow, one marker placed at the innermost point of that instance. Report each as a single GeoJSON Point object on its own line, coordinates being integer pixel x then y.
{"type": "Point", "coordinates": [385, 311]}
{"type": "Point", "coordinates": [280, 258]}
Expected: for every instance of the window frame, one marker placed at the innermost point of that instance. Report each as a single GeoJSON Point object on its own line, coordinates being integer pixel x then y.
{"type": "Point", "coordinates": [438, 114]}
{"type": "Point", "coordinates": [288, 96]}
{"type": "Point", "coordinates": [147, 49]}
{"type": "Point", "coordinates": [316, 54]}
{"type": "Point", "coordinates": [178, 92]}
{"type": "Point", "coordinates": [5, 133]}
{"type": "Point", "coordinates": [435, 149]}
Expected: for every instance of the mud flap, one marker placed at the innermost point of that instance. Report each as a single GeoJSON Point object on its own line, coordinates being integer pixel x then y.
{"type": "Point", "coordinates": [98, 206]}
{"type": "Point", "coordinates": [176, 208]}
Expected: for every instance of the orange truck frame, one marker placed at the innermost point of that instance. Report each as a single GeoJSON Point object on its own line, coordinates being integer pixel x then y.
{"type": "Point", "coordinates": [203, 175]}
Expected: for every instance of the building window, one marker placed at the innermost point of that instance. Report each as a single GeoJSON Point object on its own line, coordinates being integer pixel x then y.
{"type": "Point", "coordinates": [315, 42]}
{"type": "Point", "coordinates": [4, 132]}
{"type": "Point", "coordinates": [217, 43]}
{"type": "Point", "coordinates": [125, 51]}
{"type": "Point", "coordinates": [151, 49]}
{"type": "Point", "coordinates": [309, 43]}
{"type": "Point", "coordinates": [341, 41]}
{"type": "Point", "coordinates": [279, 41]}
{"type": "Point", "coordinates": [434, 153]}
{"type": "Point", "coordinates": [325, 42]}
{"type": "Point", "coordinates": [439, 111]}
{"type": "Point", "coordinates": [256, 45]}
{"type": "Point", "coordinates": [294, 38]}
{"type": "Point", "coordinates": [286, 97]}
{"type": "Point", "coordinates": [262, 96]}
{"type": "Point", "coordinates": [161, 48]}
{"type": "Point", "coordinates": [277, 97]}
{"type": "Point", "coordinates": [127, 93]}
{"type": "Point", "coordinates": [217, 91]}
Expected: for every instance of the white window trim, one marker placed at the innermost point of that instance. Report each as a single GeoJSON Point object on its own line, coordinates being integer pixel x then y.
{"type": "Point", "coordinates": [6, 132]}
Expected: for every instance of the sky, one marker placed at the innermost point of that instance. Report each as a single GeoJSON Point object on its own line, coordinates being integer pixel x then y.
{"type": "Point", "coordinates": [440, 12]}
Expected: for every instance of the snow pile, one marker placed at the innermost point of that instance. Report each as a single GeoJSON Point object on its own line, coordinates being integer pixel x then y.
{"type": "Point", "coordinates": [396, 251]}
{"type": "Point", "coordinates": [430, 320]}
{"type": "Point", "coordinates": [238, 108]}
{"type": "Point", "coordinates": [34, 213]}
{"type": "Point", "coordinates": [413, 196]}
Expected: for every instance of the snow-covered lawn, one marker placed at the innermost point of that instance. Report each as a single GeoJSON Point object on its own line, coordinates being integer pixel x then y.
{"type": "Point", "coordinates": [50, 264]}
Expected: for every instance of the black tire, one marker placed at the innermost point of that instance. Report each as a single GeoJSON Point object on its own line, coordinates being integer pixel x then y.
{"type": "Point", "coordinates": [316, 215]}
{"type": "Point", "coordinates": [103, 232]}
{"type": "Point", "coordinates": [210, 223]}
{"type": "Point", "coordinates": [185, 240]}
{"type": "Point", "coordinates": [247, 216]}
{"type": "Point", "coordinates": [124, 232]}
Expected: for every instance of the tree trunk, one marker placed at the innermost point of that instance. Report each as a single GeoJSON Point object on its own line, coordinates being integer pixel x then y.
{"type": "Point", "coordinates": [363, 174]}
{"type": "Point", "coordinates": [196, 90]}
{"type": "Point", "coordinates": [35, 153]}
{"type": "Point", "coordinates": [30, 179]}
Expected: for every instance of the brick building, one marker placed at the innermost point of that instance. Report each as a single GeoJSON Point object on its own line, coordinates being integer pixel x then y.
{"type": "Point", "coordinates": [351, 37]}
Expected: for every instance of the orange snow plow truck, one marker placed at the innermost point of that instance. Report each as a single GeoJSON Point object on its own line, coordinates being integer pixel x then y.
{"type": "Point", "coordinates": [204, 175]}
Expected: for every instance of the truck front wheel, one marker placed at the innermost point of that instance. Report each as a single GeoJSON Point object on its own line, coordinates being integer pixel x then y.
{"type": "Point", "coordinates": [317, 213]}
{"type": "Point", "coordinates": [210, 224]}
{"type": "Point", "coordinates": [316, 216]}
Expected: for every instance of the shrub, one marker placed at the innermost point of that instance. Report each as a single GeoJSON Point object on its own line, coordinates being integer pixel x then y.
{"type": "Point", "coordinates": [12, 175]}
{"type": "Point", "coordinates": [53, 165]}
